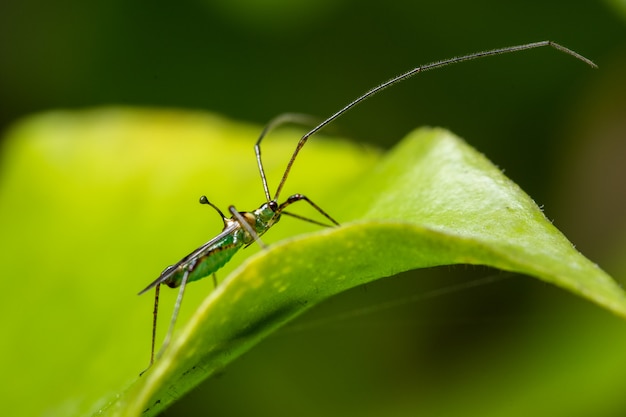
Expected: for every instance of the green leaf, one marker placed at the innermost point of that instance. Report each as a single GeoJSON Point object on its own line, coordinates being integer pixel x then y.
{"type": "Point", "coordinates": [93, 205]}
{"type": "Point", "coordinates": [103, 200]}
{"type": "Point", "coordinates": [432, 201]}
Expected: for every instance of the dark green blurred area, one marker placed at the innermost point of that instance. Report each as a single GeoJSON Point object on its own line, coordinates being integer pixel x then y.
{"type": "Point", "coordinates": [556, 127]}
{"type": "Point", "coordinates": [253, 60]}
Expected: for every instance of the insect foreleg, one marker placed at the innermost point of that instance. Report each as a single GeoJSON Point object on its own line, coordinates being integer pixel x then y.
{"type": "Point", "coordinates": [306, 219]}
{"type": "Point", "coordinates": [299, 197]}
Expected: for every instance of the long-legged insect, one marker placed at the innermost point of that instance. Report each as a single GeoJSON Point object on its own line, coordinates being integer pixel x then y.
{"type": "Point", "coordinates": [244, 228]}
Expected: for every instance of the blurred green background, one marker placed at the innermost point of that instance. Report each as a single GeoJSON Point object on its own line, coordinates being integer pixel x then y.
{"type": "Point", "coordinates": [556, 127]}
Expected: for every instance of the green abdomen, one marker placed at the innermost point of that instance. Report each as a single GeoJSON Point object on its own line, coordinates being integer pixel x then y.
{"type": "Point", "coordinates": [216, 257]}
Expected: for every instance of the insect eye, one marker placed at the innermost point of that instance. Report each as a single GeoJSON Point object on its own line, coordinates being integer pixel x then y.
{"type": "Point", "coordinates": [273, 205]}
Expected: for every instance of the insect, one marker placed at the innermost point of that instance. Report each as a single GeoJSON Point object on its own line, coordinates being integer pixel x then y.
{"type": "Point", "coordinates": [243, 228]}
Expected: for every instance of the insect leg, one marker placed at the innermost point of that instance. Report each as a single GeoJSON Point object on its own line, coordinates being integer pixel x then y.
{"type": "Point", "coordinates": [306, 219]}
{"type": "Point", "coordinates": [179, 301]}
{"type": "Point", "coordinates": [249, 229]}
{"type": "Point", "coordinates": [155, 314]}
{"type": "Point", "coordinates": [299, 197]}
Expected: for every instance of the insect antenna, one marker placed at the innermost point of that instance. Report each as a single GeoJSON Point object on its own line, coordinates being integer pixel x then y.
{"type": "Point", "coordinates": [283, 119]}
{"type": "Point", "coordinates": [389, 83]}
{"type": "Point", "coordinates": [205, 200]}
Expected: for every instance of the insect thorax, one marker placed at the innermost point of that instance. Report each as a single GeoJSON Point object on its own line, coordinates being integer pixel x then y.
{"type": "Point", "coordinates": [264, 218]}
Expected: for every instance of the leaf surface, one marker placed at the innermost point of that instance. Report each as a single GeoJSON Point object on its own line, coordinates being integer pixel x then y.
{"type": "Point", "coordinates": [93, 205]}
{"type": "Point", "coordinates": [432, 201]}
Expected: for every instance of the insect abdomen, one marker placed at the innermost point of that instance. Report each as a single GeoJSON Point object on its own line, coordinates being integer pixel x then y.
{"type": "Point", "coordinates": [215, 258]}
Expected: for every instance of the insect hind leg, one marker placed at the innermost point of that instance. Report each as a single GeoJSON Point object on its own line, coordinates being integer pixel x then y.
{"type": "Point", "coordinates": [155, 314]}
{"type": "Point", "coordinates": [170, 330]}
